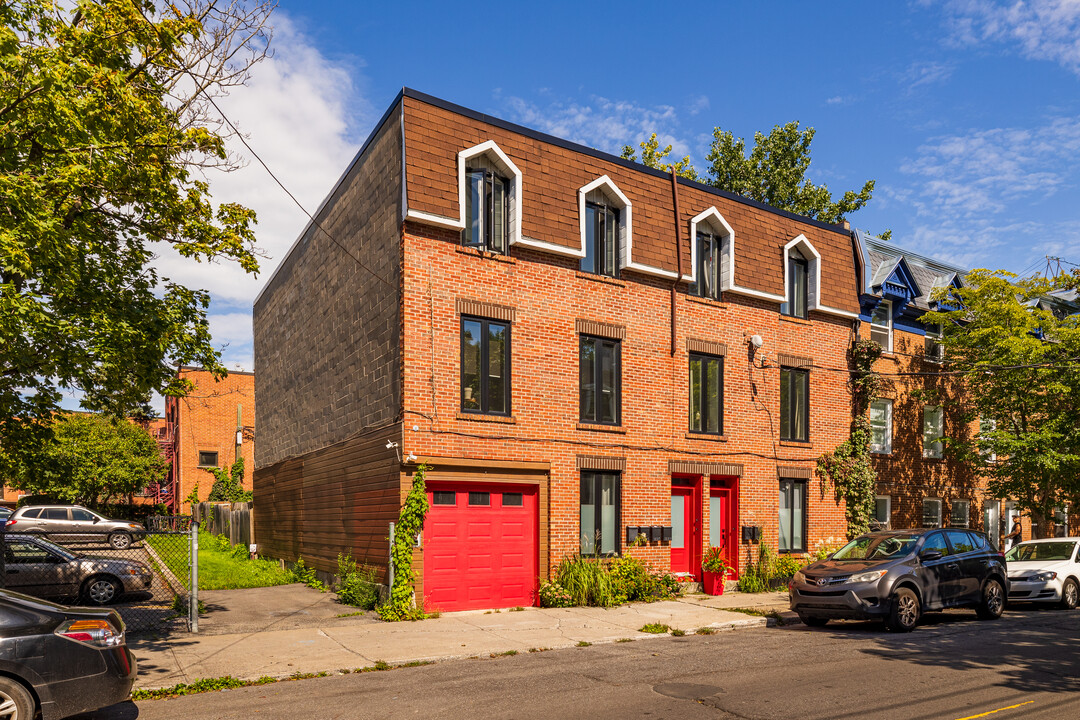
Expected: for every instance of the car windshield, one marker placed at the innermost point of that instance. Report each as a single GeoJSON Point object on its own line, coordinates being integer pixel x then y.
{"type": "Point", "coordinates": [877, 547]}
{"type": "Point", "coordinates": [1041, 551]}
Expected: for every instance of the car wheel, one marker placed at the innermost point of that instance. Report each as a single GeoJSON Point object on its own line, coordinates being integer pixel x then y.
{"type": "Point", "coordinates": [904, 613]}
{"type": "Point", "coordinates": [1070, 594]}
{"type": "Point", "coordinates": [993, 601]}
{"type": "Point", "coordinates": [813, 621]}
{"type": "Point", "coordinates": [120, 541]}
{"type": "Point", "coordinates": [15, 702]}
{"type": "Point", "coordinates": [101, 590]}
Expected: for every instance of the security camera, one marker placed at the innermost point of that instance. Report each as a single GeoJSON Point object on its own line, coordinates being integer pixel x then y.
{"type": "Point", "coordinates": [390, 444]}
{"type": "Point", "coordinates": [411, 457]}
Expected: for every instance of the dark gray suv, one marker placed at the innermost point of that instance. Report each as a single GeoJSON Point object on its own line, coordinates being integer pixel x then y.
{"type": "Point", "coordinates": [897, 575]}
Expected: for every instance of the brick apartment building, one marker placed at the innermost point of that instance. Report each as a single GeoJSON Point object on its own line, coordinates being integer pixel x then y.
{"type": "Point", "coordinates": [583, 351]}
{"type": "Point", "coordinates": [210, 427]}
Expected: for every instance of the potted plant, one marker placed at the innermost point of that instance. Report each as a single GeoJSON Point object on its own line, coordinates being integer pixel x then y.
{"type": "Point", "coordinates": [714, 570]}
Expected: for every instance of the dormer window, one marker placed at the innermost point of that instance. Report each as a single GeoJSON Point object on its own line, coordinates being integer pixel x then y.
{"type": "Point", "coordinates": [798, 271]}
{"type": "Point", "coordinates": [707, 272]}
{"type": "Point", "coordinates": [487, 212]}
{"type": "Point", "coordinates": [601, 240]}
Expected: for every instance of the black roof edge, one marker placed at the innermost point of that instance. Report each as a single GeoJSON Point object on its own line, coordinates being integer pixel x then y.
{"type": "Point", "coordinates": [601, 155]}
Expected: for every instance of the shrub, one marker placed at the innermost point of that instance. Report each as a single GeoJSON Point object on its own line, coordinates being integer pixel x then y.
{"type": "Point", "coordinates": [554, 595]}
{"type": "Point", "coordinates": [307, 575]}
{"type": "Point", "coordinates": [786, 566]}
{"type": "Point", "coordinates": [356, 584]}
{"type": "Point", "coordinates": [587, 581]}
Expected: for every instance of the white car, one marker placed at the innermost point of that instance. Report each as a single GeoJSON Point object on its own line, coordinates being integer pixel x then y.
{"type": "Point", "coordinates": [1045, 571]}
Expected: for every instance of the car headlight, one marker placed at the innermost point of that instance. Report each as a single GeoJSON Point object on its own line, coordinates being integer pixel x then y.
{"type": "Point", "coordinates": [798, 577]}
{"type": "Point", "coordinates": [1044, 576]}
{"type": "Point", "coordinates": [133, 571]}
{"type": "Point", "coordinates": [866, 576]}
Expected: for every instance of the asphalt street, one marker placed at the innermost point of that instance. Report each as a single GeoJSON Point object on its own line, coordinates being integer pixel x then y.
{"type": "Point", "coordinates": [1026, 665]}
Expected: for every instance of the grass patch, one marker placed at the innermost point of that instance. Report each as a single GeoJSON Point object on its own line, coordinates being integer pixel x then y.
{"type": "Point", "coordinates": [582, 643]}
{"type": "Point", "coordinates": [539, 649]}
{"type": "Point", "coordinates": [221, 567]}
{"type": "Point", "coordinates": [625, 640]}
{"type": "Point", "coordinates": [352, 614]}
{"type": "Point", "coordinates": [774, 614]}
{"type": "Point", "coordinates": [678, 633]}
{"type": "Point", "coordinates": [655, 628]}
{"type": "Point", "coordinates": [706, 631]}
{"type": "Point", "coordinates": [508, 653]}
{"type": "Point", "coordinates": [517, 609]}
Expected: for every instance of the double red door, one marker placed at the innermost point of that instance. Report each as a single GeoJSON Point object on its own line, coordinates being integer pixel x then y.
{"type": "Point", "coordinates": [480, 546]}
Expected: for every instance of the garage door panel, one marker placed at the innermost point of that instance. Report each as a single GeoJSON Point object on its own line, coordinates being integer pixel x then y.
{"type": "Point", "coordinates": [479, 556]}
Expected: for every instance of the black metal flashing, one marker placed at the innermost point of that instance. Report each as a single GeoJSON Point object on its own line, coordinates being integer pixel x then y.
{"type": "Point", "coordinates": [601, 155]}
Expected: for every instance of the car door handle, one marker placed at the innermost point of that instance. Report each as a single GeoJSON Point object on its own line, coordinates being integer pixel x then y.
{"type": "Point", "coordinates": [952, 566]}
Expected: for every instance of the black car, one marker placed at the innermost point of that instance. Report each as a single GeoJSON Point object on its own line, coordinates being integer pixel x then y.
{"type": "Point", "coordinates": [60, 661]}
{"type": "Point", "coordinates": [897, 575]}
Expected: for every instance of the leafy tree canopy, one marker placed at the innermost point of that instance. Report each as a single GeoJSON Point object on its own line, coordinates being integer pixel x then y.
{"type": "Point", "coordinates": [93, 460]}
{"type": "Point", "coordinates": [774, 172]}
{"type": "Point", "coordinates": [1017, 349]}
{"type": "Point", "coordinates": [106, 122]}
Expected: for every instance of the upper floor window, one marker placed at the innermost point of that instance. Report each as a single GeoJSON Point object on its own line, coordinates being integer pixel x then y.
{"type": "Point", "coordinates": [487, 212]}
{"type": "Point", "coordinates": [706, 394]}
{"type": "Point", "coordinates": [987, 425]}
{"type": "Point", "coordinates": [798, 285]}
{"type": "Point", "coordinates": [707, 272]}
{"type": "Point", "coordinates": [794, 404]}
{"type": "Point", "coordinates": [208, 458]}
{"type": "Point", "coordinates": [935, 350]}
{"type": "Point", "coordinates": [485, 366]}
{"type": "Point", "coordinates": [933, 429]}
{"type": "Point", "coordinates": [601, 240]}
{"type": "Point", "coordinates": [881, 426]}
{"type": "Point", "coordinates": [600, 380]}
{"type": "Point", "coordinates": [881, 325]}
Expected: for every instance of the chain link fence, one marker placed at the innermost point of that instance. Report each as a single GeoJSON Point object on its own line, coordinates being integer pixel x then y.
{"type": "Point", "coordinates": [148, 582]}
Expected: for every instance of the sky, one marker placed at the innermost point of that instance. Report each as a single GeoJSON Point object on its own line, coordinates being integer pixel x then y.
{"type": "Point", "coordinates": [965, 112]}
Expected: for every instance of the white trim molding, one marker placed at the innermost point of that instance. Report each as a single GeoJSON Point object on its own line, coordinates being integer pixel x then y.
{"type": "Point", "coordinates": [813, 292]}
{"type": "Point", "coordinates": [626, 227]}
{"type": "Point", "coordinates": [722, 229]}
{"type": "Point", "coordinates": [497, 157]}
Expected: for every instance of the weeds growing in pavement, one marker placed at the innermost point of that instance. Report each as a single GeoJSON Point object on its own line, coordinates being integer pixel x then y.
{"type": "Point", "coordinates": [655, 628]}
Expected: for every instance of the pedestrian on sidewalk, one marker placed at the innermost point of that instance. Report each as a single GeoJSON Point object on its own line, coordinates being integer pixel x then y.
{"type": "Point", "coordinates": [1016, 535]}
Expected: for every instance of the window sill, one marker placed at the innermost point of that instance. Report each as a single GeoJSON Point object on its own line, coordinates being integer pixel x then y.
{"type": "Point", "coordinates": [601, 278]}
{"type": "Point", "coordinates": [486, 254]}
{"type": "Point", "coordinates": [796, 320]}
{"type": "Point", "coordinates": [707, 437]}
{"type": "Point", "coordinates": [797, 443]}
{"type": "Point", "coordinates": [484, 417]}
{"type": "Point", "coordinates": [601, 428]}
{"type": "Point", "coordinates": [719, 304]}
{"type": "Point", "coordinates": [881, 452]}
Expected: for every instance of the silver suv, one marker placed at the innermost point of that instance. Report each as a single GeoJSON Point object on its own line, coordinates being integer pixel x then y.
{"type": "Point", "coordinates": [74, 523]}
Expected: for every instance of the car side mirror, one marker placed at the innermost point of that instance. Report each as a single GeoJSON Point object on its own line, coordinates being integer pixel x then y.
{"type": "Point", "coordinates": [929, 555]}
{"type": "Point", "coordinates": [96, 519]}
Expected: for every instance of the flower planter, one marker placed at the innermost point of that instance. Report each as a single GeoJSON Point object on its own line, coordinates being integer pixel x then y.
{"type": "Point", "coordinates": [712, 583]}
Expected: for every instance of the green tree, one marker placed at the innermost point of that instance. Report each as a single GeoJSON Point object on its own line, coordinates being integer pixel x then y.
{"type": "Point", "coordinates": [1016, 348]}
{"type": "Point", "coordinates": [92, 460]}
{"type": "Point", "coordinates": [654, 156]}
{"type": "Point", "coordinates": [229, 486]}
{"type": "Point", "coordinates": [106, 122]}
{"type": "Point", "coordinates": [773, 173]}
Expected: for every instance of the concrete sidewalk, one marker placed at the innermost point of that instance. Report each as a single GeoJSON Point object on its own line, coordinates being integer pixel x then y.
{"type": "Point", "coordinates": [344, 645]}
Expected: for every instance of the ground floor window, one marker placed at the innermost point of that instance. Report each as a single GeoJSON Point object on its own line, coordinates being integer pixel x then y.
{"type": "Point", "coordinates": [931, 512]}
{"type": "Point", "coordinates": [792, 515]}
{"type": "Point", "coordinates": [882, 511]}
{"type": "Point", "coordinates": [599, 513]}
{"type": "Point", "coordinates": [960, 515]}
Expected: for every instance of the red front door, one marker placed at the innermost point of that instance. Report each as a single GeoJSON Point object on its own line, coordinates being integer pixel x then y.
{"type": "Point", "coordinates": [723, 521]}
{"type": "Point", "coordinates": [480, 546]}
{"type": "Point", "coordinates": [682, 530]}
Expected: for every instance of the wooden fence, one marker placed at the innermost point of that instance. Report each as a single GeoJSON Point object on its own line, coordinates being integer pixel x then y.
{"type": "Point", "coordinates": [233, 520]}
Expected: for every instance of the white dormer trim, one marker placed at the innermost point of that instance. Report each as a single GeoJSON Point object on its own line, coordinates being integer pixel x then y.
{"type": "Point", "coordinates": [813, 290]}
{"type": "Point", "coordinates": [720, 226]}
{"type": "Point", "coordinates": [626, 228]}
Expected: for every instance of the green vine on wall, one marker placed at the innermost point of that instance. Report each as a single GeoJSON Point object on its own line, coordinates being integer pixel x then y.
{"type": "Point", "coordinates": [849, 468]}
{"type": "Point", "coordinates": [400, 605]}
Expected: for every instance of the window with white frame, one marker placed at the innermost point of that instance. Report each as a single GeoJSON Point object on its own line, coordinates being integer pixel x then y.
{"type": "Point", "coordinates": [881, 426]}
{"type": "Point", "coordinates": [605, 227]}
{"type": "Point", "coordinates": [710, 254]}
{"type": "Point", "coordinates": [881, 325]}
{"type": "Point", "coordinates": [707, 271]}
{"type": "Point", "coordinates": [931, 512]}
{"type": "Point", "coordinates": [883, 512]}
{"type": "Point", "coordinates": [934, 349]}
{"type": "Point", "coordinates": [961, 513]}
{"type": "Point", "coordinates": [987, 425]}
{"type": "Point", "coordinates": [933, 430]}
{"type": "Point", "coordinates": [798, 275]}
{"type": "Point", "coordinates": [489, 190]}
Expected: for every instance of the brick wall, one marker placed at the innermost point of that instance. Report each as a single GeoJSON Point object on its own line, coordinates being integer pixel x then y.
{"type": "Point", "coordinates": [548, 295]}
{"type": "Point", "coordinates": [327, 330]}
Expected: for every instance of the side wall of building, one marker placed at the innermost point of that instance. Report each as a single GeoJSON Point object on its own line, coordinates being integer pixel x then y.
{"type": "Point", "coordinates": [327, 332]}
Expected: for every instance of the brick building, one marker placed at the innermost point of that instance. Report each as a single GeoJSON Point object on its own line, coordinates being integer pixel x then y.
{"type": "Point", "coordinates": [209, 427]}
{"type": "Point", "coordinates": [579, 347]}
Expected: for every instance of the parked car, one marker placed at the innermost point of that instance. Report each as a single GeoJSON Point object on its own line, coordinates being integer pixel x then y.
{"type": "Point", "coordinates": [5, 513]}
{"type": "Point", "coordinates": [37, 567]}
{"type": "Point", "coordinates": [60, 661]}
{"type": "Point", "coordinates": [1045, 571]}
{"type": "Point", "coordinates": [898, 575]}
{"type": "Point", "coordinates": [74, 523]}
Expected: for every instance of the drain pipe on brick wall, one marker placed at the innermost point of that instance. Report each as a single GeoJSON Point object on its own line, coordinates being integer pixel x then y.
{"type": "Point", "coordinates": [678, 260]}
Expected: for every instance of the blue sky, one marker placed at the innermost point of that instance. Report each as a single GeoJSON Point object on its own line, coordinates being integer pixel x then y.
{"type": "Point", "coordinates": [966, 112]}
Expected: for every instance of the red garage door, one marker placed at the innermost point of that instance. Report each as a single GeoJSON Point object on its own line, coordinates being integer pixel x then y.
{"type": "Point", "coordinates": [480, 546]}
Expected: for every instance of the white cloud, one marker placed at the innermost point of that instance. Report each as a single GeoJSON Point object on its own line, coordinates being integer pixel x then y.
{"type": "Point", "coordinates": [602, 123]}
{"type": "Point", "coordinates": [926, 73]}
{"type": "Point", "coordinates": [1039, 29]}
{"type": "Point", "coordinates": [298, 113]}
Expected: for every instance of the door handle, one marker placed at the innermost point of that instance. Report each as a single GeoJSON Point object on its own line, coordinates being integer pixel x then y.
{"type": "Point", "coordinates": [952, 566]}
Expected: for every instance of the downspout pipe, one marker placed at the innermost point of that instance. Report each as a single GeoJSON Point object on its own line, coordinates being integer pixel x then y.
{"type": "Point", "coordinates": [678, 260]}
